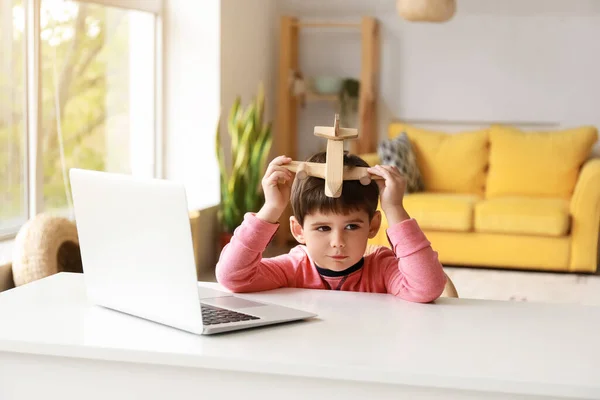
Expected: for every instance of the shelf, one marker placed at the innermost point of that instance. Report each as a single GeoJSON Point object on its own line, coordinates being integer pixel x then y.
{"type": "Point", "coordinates": [312, 96]}
{"type": "Point", "coordinates": [328, 24]}
{"type": "Point", "coordinates": [287, 140]}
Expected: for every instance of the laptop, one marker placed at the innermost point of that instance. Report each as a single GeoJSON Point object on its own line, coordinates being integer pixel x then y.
{"type": "Point", "coordinates": [137, 253]}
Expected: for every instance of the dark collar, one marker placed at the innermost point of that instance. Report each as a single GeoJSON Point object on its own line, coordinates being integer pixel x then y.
{"type": "Point", "coordinates": [336, 274]}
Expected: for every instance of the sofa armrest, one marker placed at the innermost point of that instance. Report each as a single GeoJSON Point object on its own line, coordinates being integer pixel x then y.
{"type": "Point", "coordinates": [585, 214]}
{"type": "Point", "coordinates": [6, 277]}
{"type": "Point", "coordinates": [371, 158]}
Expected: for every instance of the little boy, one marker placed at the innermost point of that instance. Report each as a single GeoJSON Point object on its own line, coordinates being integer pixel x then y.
{"type": "Point", "coordinates": [333, 234]}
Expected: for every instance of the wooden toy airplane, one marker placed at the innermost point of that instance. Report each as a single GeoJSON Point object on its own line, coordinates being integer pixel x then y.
{"type": "Point", "coordinates": [333, 170]}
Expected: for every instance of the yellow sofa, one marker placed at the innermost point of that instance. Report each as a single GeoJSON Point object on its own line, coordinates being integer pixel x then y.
{"type": "Point", "coordinates": [500, 197]}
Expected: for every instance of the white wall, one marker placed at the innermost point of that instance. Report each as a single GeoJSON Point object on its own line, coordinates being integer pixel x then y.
{"type": "Point", "coordinates": [192, 95]}
{"type": "Point", "coordinates": [533, 63]}
{"type": "Point", "coordinates": [248, 40]}
{"type": "Point", "coordinates": [512, 61]}
{"type": "Point", "coordinates": [214, 50]}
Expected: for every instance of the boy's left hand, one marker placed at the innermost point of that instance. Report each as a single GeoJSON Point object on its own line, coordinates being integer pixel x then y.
{"type": "Point", "coordinates": [391, 192]}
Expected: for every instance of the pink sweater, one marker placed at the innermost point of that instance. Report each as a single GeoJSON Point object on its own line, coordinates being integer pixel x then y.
{"type": "Point", "coordinates": [411, 271]}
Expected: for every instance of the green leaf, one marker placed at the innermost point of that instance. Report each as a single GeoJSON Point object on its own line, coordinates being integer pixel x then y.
{"type": "Point", "coordinates": [266, 148]}
{"type": "Point", "coordinates": [260, 106]}
{"type": "Point", "coordinates": [260, 153]}
{"type": "Point", "coordinates": [250, 145]}
{"type": "Point", "coordinates": [223, 172]}
{"type": "Point", "coordinates": [243, 155]}
{"type": "Point", "coordinates": [232, 124]}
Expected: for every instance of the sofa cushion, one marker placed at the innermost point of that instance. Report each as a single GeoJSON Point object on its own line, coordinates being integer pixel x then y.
{"type": "Point", "coordinates": [449, 162]}
{"type": "Point", "coordinates": [399, 153]}
{"type": "Point", "coordinates": [537, 163]}
{"type": "Point", "coordinates": [523, 216]}
{"type": "Point", "coordinates": [442, 211]}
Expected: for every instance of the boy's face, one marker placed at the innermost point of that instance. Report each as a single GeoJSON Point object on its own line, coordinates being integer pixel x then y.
{"type": "Point", "coordinates": [336, 241]}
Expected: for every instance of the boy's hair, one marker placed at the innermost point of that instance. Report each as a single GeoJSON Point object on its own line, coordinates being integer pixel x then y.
{"type": "Point", "coordinates": [308, 195]}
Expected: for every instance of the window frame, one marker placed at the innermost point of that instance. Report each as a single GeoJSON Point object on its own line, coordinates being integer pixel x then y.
{"type": "Point", "coordinates": [33, 166]}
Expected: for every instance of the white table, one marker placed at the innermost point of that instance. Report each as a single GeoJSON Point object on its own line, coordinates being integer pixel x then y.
{"type": "Point", "coordinates": [55, 345]}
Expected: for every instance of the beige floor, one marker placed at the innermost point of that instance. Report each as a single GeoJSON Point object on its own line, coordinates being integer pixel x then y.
{"type": "Point", "coordinates": [510, 285]}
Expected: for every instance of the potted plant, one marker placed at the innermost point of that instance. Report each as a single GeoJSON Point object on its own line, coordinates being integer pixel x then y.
{"type": "Point", "coordinates": [240, 184]}
{"type": "Point", "coordinates": [348, 97]}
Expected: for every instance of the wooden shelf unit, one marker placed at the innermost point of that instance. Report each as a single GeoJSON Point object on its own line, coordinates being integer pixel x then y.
{"type": "Point", "coordinates": [286, 133]}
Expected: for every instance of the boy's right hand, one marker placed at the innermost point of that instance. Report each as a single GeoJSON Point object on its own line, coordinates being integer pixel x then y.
{"type": "Point", "coordinates": [277, 186]}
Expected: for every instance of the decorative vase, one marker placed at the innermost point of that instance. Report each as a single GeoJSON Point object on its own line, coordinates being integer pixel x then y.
{"type": "Point", "coordinates": [224, 239]}
{"type": "Point", "coordinates": [327, 84]}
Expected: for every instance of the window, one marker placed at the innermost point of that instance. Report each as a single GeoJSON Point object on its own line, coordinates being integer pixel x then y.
{"type": "Point", "coordinates": [13, 201]}
{"type": "Point", "coordinates": [95, 105]}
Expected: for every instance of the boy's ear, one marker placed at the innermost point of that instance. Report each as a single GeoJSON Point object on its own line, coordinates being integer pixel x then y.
{"type": "Point", "coordinates": [297, 230]}
{"type": "Point", "coordinates": [375, 224]}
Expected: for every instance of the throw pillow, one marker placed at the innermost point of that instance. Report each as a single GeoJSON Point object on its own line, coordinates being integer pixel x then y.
{"type": "Point", "coordinates": [399, 152]}
{"type": "Point", "coordinates": [449, 162]}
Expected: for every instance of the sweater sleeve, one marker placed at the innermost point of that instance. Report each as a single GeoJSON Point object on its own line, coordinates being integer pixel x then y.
{"type": "Point", "coordinates": [413, 271]}
{"type": "Point", "coordinates": [241, 267]}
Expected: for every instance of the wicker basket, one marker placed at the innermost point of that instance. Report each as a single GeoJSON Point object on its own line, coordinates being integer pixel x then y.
{"type": "Point", "coordinates": [426, 10]}
{"type": "Point", "coordinates": [44, 246]}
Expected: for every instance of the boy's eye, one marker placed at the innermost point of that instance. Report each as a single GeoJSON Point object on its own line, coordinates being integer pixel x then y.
{"type": "Point", "coordinates": [349, 227]}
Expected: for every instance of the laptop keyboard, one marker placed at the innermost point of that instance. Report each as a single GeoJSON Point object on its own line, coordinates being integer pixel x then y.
{"type": "Point", "coordinates": [212, 315]}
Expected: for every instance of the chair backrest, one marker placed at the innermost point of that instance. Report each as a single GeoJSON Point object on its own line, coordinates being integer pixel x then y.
{"type": "Point", "coordinates": [449, 289]}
